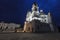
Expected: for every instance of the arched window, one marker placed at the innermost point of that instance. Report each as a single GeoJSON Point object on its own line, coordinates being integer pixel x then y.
{"type": "Point", "coordinates": [45, 20]}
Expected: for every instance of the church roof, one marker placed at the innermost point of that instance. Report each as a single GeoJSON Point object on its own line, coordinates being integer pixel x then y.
{"type": "Point", "coordinates": [42, 14]}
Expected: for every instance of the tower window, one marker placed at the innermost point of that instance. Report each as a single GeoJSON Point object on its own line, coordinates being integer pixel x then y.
{"type": "Point", "coordinates": [45, 20]}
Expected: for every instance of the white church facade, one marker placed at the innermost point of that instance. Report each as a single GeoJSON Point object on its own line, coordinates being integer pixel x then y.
{"type": "Point", "coordinates": [36, 14]}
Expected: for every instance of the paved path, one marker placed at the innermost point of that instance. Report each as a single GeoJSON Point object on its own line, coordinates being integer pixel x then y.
{"type": "Point", "coordinates": [29, 36]}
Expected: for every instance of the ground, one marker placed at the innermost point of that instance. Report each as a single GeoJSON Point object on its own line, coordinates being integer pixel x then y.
{"type": "Point", "coordinates": [29, 36]}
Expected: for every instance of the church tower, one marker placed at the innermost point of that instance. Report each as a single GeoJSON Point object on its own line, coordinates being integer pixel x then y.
{"type": "Point", "coordinates": [49, 18]}
{"type": "Point", "coordinates": [41, 12]}
{"type": "Point", "coordinates": [50, 22]}
{"type": "Point", "coordinates": [35, 7]}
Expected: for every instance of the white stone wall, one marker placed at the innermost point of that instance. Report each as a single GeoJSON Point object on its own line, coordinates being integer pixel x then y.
{"type": "Point", "coordinates": [9, 25]}
{"type": "Point", "coordinates": [42, 18]}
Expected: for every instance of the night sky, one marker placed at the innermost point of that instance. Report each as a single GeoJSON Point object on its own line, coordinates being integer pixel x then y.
{"type": "Point", "coordinates": [15, 10]}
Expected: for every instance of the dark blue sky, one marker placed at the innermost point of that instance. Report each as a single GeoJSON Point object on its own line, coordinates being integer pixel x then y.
{"type": "Point", "coordinates": [15, 10]}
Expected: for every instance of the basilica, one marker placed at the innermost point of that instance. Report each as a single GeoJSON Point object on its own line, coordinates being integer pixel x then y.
{"type": "Point", "coordinates": [37, 20]}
